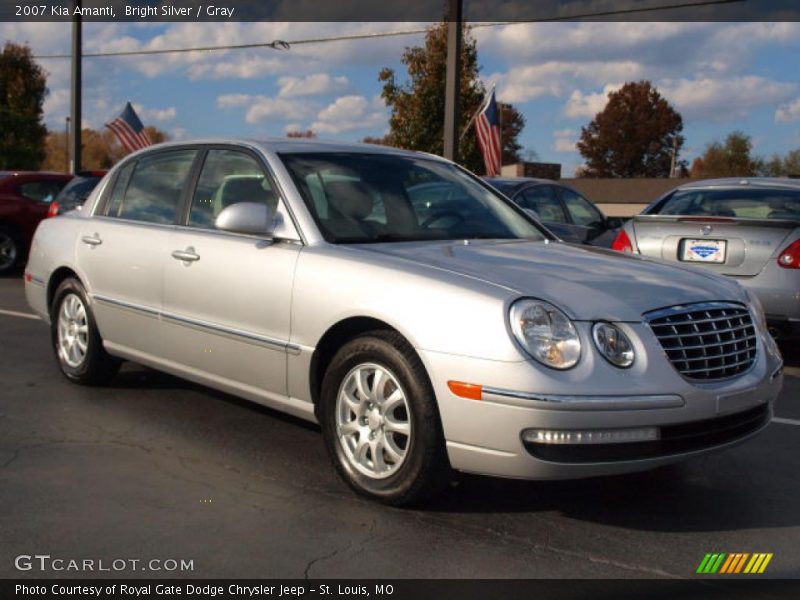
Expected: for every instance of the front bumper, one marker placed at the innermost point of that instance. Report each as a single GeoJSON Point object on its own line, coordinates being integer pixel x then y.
{"type": "Point", "coordinates": [485, 436]}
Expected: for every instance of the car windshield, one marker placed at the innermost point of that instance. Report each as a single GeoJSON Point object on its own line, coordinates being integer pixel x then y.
{"type": "Point", "coordinates": [365, 198]}
{"type": "Point", "coordinates": [737, 203]}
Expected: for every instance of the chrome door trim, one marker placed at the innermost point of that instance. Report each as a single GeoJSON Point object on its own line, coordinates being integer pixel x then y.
{"type": "Point", "coordinates": [239, 334]}
{"type": "Point", "coordinates": [140, 308]}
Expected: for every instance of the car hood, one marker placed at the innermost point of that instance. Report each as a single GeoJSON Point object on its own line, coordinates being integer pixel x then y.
{"type": "Point", "coordinates": [588, 283]}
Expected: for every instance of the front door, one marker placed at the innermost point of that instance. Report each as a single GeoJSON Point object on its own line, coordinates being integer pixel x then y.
{"type": "Point", "coordinates": [227, 296]}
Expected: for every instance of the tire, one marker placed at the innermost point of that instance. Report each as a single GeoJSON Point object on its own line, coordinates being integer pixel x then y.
{"type": "Point", "coordinates": [363, 425]}
{"type": "Point", "coordinates": [10, 250]}
{"type": "Point", "coordinates": [76, 341]}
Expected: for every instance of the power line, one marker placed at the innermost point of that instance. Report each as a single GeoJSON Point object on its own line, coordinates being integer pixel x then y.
{"type": "Point", "coordinates": [283, 45]}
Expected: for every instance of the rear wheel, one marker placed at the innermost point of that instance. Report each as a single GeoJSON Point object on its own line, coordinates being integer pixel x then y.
{"type": "Point", "coordinates": [9, 249]}
{"type": "Point", "coordinates": [380, 422]}
{"type": "Point", "coordinates": [76, 340]}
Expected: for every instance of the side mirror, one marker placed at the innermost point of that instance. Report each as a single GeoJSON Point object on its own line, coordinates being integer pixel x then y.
{"type": "Point", "coordinates": [246, 217]}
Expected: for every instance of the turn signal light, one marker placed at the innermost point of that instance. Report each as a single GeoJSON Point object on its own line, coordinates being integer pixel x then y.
{"type": "Point", "coordinates": [466, 390]}
{"type": "Point", "coordinates": [790, 258]}
{"type": "Point", "coordinates": [52, 211]}
{"type": "Point", "coordinates": [622, 243]}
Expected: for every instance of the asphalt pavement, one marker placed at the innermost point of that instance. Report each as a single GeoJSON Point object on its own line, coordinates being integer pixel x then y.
{"type": "Point", "coordinates": [153, 467]}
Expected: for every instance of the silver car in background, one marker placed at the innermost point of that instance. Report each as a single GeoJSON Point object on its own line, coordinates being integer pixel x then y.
{"type": "Point", "coordinates": [745, 229]}
{"type": "Point", "coordinates": [421, 318]}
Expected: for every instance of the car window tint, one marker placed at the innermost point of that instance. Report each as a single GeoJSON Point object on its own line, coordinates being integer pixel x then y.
{"type": "Point", "coordinates": [580, 209]}
{"type": "Point", "coordinates": [41, 191]}
{"type": "Point", "coordinates": [114, 203]}
{"type": "Point", "coordinates": [154, 190]}
{"type": "Point", "coordinates": [228, 177]}
{"type": "Point", "coordinates": [542, 200]}
{"type": "Point", "coordinates": [738, 203]}
{"type": "Point", "coordinates": [362, 198]}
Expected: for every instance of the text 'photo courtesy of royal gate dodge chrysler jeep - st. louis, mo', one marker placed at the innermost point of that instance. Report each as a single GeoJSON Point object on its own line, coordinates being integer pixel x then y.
{"type": "Point", "coordinates": [424, 334]}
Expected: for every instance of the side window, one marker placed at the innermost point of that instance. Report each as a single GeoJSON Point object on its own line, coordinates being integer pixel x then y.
{"type": "Point", "coordinates": [228, 177]}
{"type": "Point", "coordinates": [114, 202]}
{"type": "Point", "coordinates": [542, 200]}
{"type": "Point", "coordinates": [154, 188]}
{"type": "Point", "coordinates": [581, 211]}
{"type": "Point", "coordinates": [41, 191]}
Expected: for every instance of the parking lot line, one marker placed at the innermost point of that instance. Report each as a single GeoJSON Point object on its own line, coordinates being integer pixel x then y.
{"type": "Point", "coordinates": [786, 421]}
{"type": "Point", "coordinates": [14, 313]}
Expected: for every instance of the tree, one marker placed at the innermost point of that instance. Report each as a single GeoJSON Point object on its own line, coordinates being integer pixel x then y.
{"type": "Point", "coordinates": [23, 87]}
{"type": "Point", "coordinates": [417, 119]}
{"type": "Point", "coordinates": [729, 159]}
{"type": "Point", "coordinates": [633, 136]}
{"type": "Point", "coordinates": [380, 141]}
{"type": "Point", "coordinates": [99, 149]}
{"type": "Point", "coordinates": [786, 166]}
{"type": "Point", "coordinates": [301, 134]}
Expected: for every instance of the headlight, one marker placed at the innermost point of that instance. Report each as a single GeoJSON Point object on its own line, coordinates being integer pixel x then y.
{"type": "Point", "coordinates": [613, 344]}
{"type": "Point", "coordinates": [546, 333]}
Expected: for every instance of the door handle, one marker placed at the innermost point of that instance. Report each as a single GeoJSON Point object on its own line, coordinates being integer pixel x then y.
{"type": "Point", "coordinates": [92, 240]}
{"type": "Point", "coordinates": [188, 255]}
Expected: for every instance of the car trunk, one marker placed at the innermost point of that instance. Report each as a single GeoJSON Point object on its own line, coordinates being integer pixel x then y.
{"type": "Point", "coordinates": [724, 245]}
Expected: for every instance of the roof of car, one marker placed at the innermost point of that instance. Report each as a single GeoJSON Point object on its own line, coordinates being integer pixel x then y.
{"type": "Point", "coordinates": [744, 182]}
{"type": "Point", "coordinates": [299, 145]}
{"type": "Point", "coordinates": [517, 180]}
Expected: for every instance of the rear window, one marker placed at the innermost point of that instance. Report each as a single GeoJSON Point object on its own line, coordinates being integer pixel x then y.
{"type": "Point", "coordinates": [737, 203]}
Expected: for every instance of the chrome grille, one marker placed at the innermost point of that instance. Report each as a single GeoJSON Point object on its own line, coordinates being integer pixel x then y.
{"type": "Point", "coordinates": [707, 341]}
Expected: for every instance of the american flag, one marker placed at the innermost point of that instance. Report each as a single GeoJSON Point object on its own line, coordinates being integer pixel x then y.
{"type": "Point", "coordinates": [487, 125]}
{"type": "Point", "coordinates": [129, 130]}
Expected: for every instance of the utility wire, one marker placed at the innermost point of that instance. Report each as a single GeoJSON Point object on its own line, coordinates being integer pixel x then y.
{"type": "Point", "coordinates": [283, 45]}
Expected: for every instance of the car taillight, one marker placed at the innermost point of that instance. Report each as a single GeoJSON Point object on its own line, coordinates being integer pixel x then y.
{"type": "Point", "coordinates": [790, 258]}
{"type": "Point", "coordinates": [53, 210]}
{"type": "Point", "coordinates": [622, 243]}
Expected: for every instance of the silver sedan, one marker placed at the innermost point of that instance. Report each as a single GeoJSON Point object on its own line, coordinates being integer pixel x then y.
{"type": "Point", "coordinates": [745, 229]}
{"type": "Point", "coordinates": [423, 331]}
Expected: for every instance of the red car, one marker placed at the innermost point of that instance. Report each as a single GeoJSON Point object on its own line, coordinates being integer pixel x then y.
{"type": "Point", "coordinates": [24, 201]}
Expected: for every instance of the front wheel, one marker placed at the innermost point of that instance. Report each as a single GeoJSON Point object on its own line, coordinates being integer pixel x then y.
{"type": "Point", "coordinates": [380, 421]}
{"type": "Point", "coordinates": [76, 341]}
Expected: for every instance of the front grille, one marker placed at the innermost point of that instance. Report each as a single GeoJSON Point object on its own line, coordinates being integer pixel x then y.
{"type": "Point", "coordinates": [675, 439]}
{"type": "Point", "coordinates": [707, 341]}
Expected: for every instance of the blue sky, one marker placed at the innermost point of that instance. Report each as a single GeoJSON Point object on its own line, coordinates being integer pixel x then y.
{"type": "Point", "coordinates": [720, 76]}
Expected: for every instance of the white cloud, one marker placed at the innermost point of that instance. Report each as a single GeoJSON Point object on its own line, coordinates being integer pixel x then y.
{"type": "Point", "coordinates": [317, 84]}
{"type": "Point", "coordinates": [788, 112]}
{"type": "Point", "coordinates": [261, 108]}
{"type": "Point", "coordinates": [721, 100]}
{"type": "Point", "coordinates": [582, 105]}
{"type": "Point", "coordinates": [349, 113]}
{"type": "Point", "coordinates": [155, 114]}
{"type": "Point", "coordinates": [564, 140]}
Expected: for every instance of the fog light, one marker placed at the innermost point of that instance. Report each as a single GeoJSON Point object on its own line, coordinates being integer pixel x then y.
{"type": "Point", "coordinates": [590, 436]}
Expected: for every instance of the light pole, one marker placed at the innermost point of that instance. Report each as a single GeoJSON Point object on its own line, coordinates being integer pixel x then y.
{"type": "Point", "coordinates": [66, 146]}
{"type": "Point", "coordinates": [75, 165]}
{"type": "Point", "coordinates": [452, 104]}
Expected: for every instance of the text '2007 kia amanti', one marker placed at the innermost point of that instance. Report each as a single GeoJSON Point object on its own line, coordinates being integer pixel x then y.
{"type": "Point", "coordinates": [421, 318]}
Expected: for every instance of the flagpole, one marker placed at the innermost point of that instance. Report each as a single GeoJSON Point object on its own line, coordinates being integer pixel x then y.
{"type": "Point", "coordinates": [477, 112]}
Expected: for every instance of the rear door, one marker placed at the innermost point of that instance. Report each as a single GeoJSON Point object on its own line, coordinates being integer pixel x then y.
{"type": "Point", "coordinates": [731, 232]}
{"type": "Point", "coordinates": [121, 249]}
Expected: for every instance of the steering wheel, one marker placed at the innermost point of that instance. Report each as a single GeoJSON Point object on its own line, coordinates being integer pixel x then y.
{"type": "Point", "coordinates": [439, 215]}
